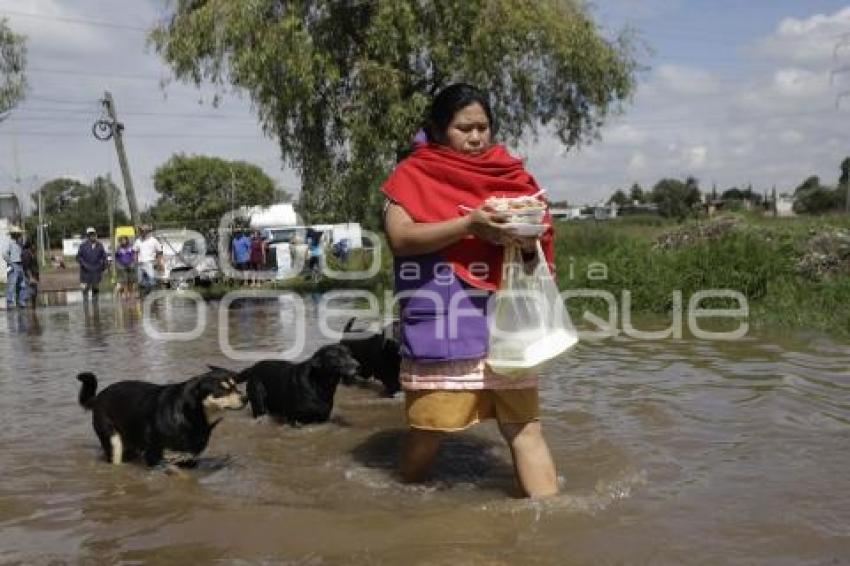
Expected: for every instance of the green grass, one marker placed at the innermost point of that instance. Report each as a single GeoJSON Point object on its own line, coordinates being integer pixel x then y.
{"type": "Point", "coordinates": [757, 258]}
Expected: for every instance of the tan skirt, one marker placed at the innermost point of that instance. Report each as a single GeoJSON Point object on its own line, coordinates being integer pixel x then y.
{"type": "Point", "coordinates": [457, 410]}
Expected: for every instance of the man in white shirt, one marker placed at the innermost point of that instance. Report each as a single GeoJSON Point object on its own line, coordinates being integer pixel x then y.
{"type": "Point", "coordinates": [148, 258]}
{"type": "Point", "coordinates": [15, 281]}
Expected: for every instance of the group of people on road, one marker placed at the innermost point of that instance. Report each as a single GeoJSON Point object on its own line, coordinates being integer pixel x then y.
{"type": "Point", "coordinates": [136, 263]}
{"type": "Point", "coordinates": [248, 253]}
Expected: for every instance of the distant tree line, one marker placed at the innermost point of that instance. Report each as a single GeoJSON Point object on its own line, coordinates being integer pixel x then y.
{"type": "Point", "coordinates": [71, 206]}
{"type": "Point", "coordinates": [194, 191]}
{"type": "Point", "coordinates": [678, 199]}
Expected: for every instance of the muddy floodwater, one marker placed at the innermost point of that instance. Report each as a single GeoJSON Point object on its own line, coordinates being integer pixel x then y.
{"type": "Point", "coordinates": [668, 452]}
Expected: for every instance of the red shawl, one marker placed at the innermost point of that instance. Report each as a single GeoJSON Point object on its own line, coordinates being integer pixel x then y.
{"type": "Point", "coordinates": [434, 180]}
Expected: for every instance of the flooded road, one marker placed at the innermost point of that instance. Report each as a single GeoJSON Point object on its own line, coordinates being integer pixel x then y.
{"type": "Point", "coordinates": [669, 452]}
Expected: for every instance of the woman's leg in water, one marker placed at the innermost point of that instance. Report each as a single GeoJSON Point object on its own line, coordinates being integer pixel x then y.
{"type": "Point", "coordinates": [417, 454]}
{"type": "Point", "coordinates": [533, 463]}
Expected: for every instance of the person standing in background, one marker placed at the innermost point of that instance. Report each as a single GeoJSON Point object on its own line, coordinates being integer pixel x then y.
{"type": "Point", "coordinates": [15, 283]}
{"type": "Point", "coordinates": [148, 255]}
{"type": "Point", "coordinates": [240, 250]}
{"type": "Point", "coordinates": [258, 256]}
{"type": "Point", "coordinates": [29, 264]}
{"type": "Point", "coordinates": [125, 267]}
{"type": "Point", "coordinates": [92, 259]}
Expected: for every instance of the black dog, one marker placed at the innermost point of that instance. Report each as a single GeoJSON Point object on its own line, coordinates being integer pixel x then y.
{"type": "Point", "coordinates": [136, 418]}
{"type": "Point", "coordinates": [378, 355]}
{"type": "Point", "coordinates": [299, 392]}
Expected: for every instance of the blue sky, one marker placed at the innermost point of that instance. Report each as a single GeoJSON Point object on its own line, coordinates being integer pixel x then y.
{"type": "Point", "coordinates": [736, 92]}
{"type": "Point", "coordinates": [710, 33]}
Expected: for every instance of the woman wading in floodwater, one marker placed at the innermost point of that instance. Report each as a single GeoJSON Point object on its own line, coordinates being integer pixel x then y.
{"type": "Point", "coordinates": [448, 249]}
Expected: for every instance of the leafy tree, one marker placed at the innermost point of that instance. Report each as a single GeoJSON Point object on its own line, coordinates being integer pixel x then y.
{"type": "Point", "coordinates": [674, 198]}
{"type": "Point", "coordinates": [813, 198]}
{"type": "Point", "coordinates": [344, 85]}
{"type": "Point", "coordinates": [816, 200]}
{"type": "Point", "coordinates": [619, 198]}
{"type": "Point", "coordinates": [13, 58]}
{"type": "Point", "coordinates": [733, 193]}
{"type": "Point", "coordinates": [812, 182]}
{"type": "Point", "coordinates": [636, 194]}
{"type": "Point", "coordinates": [199, 188]}
{"type": "Point", "coordinates": [737, 194]}
{"type": "Point", "coordinates": [71, 206]}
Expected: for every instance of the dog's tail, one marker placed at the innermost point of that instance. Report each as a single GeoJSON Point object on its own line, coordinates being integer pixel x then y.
{"type": "Point", "coordinates": [88, 390]}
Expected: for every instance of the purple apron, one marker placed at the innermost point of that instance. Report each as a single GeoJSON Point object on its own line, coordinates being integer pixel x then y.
{"type": "Point", "coordinates": [442, 317]}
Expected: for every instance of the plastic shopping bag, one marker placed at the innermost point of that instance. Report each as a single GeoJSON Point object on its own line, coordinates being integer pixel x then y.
{"type": "Point", "coordinates": [529, 324]}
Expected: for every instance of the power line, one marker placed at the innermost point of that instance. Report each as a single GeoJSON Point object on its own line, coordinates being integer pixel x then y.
{"type": "Point", "coordinates": [87, 134]}
{"type": "Point", "coordinates": [78, 72]}
{"type": "Point", "coordinates": [79, 21]}
{"type": "Point", "coordinates": [85, 114]}
{"type": "Point", "coordinates": [64, 101]}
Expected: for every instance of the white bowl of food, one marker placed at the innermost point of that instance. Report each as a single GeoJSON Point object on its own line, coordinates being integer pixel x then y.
{"type": "Point", "coordinates": [519, 210]}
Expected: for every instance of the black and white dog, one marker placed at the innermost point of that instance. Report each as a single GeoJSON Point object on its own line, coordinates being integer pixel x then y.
{"type": "Point", "coordinates": [378, 355]}
{"type": "Point", "coordinates": [140, 419]}
{"type": "Point", "coordinates": [299, 392]}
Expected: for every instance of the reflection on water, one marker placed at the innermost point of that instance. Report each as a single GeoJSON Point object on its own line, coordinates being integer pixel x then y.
{"type": "Point", "coordinates": [668, 452]}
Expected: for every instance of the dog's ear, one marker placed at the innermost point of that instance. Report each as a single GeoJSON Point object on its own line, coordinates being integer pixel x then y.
{"type": "Point", "coordinates": [216, 371]}
{"type": "Point", "coordinates": [349, 324]}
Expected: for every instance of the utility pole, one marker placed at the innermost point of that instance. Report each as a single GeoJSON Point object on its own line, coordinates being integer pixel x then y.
{"type": "Point", "coordinates": [110, 206]}
{"type": "Point", "coordinates": [232, 196]}
{"type": "Point", "coordinates": [775, 204]}
{"type": "Point", "coordinates": [117, 128]}
{"type": "Point", "coordinates": [111, 211]}
{"type": "Point", "coordinates": [40, 231]}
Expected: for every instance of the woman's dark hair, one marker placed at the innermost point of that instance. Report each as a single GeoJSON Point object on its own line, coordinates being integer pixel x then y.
{"type": "Point", "coordinates": [449, 102]}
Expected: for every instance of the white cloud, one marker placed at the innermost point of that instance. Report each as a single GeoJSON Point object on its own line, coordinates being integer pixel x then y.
{"type": "Point", "coordinates": [625, 134]}
{"type": "Point", "coordinates": [730, 130]}
{"type": "Point", "coordinates": [637, 162]}
{"type": "Point", "coordinates": [697, 156]}
{"type": "Point", "coordinates": [799, 83]}
{"type": "Point", "coordinates": [791, 137]}
{"type": "Point", "coordinates": [686, 80]}
{"type": "Point", "coordinates": [809, 40]}
{"type": "Point", "coordinates": [46, 26]}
